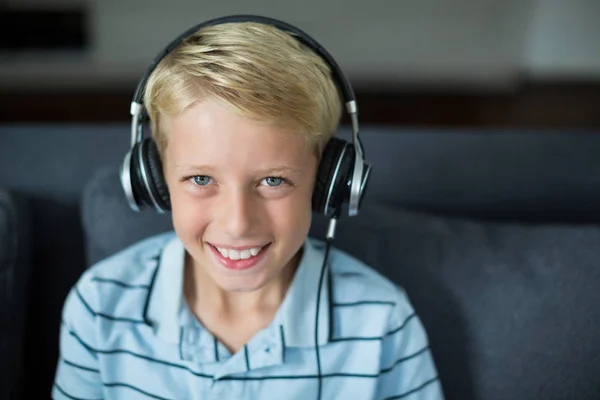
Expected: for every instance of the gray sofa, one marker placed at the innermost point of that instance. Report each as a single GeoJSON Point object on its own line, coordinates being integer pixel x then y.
{"type": "Point", "coordinates": [494, 234]}
{"type": "Point", "coordinates": [15, 274]}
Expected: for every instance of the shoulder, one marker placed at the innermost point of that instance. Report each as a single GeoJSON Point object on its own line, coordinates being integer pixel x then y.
{"type": "Point", "coordinates": [117, 283]}
{"type": "Point", "coordinates": [133, 265]}
{"type": "Point", "coordinates": [358, 290]}
{"type": "Point", "coordinates": [357, 281]}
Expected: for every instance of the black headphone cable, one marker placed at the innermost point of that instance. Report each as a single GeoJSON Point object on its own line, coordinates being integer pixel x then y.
{"type": "Point", "coordinates": [328, 240]}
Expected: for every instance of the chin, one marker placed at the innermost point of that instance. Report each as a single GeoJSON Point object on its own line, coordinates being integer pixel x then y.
{"type": "Point", "coordinates": [242, 283]}
{"type": "Point", "coordinates": [240, 287]}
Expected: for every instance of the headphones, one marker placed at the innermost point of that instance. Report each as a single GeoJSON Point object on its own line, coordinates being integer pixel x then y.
{"type": "Point", "coordinates": [342, 174]}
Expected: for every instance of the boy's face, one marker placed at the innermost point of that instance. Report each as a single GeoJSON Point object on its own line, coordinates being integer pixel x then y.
{"type": "Point", "coordinates": [236, 184]}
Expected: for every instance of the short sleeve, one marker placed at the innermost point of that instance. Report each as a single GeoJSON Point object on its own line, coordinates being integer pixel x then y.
{"type": "Point", "coordinates": [78, 372]}
{"type": "Point", "coordinates": [407, 369]}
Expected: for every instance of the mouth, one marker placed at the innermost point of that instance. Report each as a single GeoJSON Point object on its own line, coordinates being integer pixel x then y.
{"type": "Point", "coordinates": [239, 258]}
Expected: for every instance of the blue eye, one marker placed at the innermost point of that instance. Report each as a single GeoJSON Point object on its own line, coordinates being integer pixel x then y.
{"type": "Point", "coordinates": [201, 180]}
{"type": "Point", "coordinates": [273, 181]}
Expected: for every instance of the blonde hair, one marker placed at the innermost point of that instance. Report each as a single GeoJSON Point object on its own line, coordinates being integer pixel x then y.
{"type": "Point", "coordinates": [260, 71]}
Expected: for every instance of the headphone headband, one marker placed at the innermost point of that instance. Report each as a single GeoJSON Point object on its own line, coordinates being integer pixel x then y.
{"type": "Point", "coordinates": [342, 82]}
{"type": "Point", "coordinates": [360, 170]}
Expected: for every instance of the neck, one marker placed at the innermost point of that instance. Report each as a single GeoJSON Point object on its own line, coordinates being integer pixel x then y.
{"type": "Point", "coordinates": [203, 293]}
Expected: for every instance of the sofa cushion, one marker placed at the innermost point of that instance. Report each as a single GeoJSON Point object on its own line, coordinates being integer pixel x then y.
{"type": "Point", "coordinates": [511, 309]}
{"type": "Point", "coordinates": [109, 224]}
{"type": "Point", "coordinates": [15, 269]}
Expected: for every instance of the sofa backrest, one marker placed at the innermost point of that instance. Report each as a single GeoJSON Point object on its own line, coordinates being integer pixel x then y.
{"type": "Point", "coordinates": [493, 173]}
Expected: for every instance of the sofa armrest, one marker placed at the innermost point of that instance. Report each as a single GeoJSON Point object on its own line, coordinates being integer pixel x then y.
{"type": "Point", "coordinates": [15, 270]}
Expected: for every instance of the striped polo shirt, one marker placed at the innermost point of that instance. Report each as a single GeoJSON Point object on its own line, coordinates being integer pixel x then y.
{"type": "Point", "coordinates": [127, 333]}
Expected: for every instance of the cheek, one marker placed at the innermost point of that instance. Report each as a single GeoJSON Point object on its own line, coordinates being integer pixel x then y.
{"type": "Point", "coordinates": [292, 217]}
{"type": "Point", "coordinates": [188, 216]}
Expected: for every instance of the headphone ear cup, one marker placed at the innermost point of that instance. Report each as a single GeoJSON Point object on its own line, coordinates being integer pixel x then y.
{"type": "Point", "coordinates": [154, 168]}
{"type": "Point", "coordinates": [138, 186]}
{"type": "Point", "coordinates": [332, 177]}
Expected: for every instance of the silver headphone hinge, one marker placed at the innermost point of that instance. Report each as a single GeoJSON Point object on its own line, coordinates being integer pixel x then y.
{"type": "Point", "coordinates": [135, 110]}
{"type": "Point", "coordinates": [356, 188]}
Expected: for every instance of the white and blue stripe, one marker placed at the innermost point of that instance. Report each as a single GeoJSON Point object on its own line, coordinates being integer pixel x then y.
{"type": "Point", "coordinates": [128, 334]}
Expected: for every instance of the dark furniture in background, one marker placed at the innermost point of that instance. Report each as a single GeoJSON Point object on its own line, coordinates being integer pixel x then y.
{"type": "Point", "coordinates": [494, 233]}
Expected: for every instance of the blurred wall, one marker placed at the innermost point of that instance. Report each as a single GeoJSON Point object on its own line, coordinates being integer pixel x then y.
{"type": "Point", "coordinates": [464, 42]}
{"type": "Point", "coordinates": [563, 39]}
{"type": "Point", "coordinates": [419, 62]}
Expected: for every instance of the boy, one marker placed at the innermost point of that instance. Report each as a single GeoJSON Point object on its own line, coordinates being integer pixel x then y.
{"type": "Point", "coordinates": [224, 307]}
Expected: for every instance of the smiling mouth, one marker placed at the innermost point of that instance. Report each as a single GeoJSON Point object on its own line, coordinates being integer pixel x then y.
{"type": "Point", "coordinates": [239, 259]}
{"type": "Point", "coordinates": [240, 254]}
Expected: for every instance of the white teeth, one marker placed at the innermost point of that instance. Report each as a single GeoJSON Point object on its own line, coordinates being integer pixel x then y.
{"type": "Point", "coordinates": [239, 255]}
{"type": "Point", "coordinates": [234, 254]}
{"type": "Point", "coordinates": [245, 254]}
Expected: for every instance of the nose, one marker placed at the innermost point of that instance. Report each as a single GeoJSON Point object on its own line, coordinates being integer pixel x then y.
{"type": "Point", "coordinates": [237, 213]}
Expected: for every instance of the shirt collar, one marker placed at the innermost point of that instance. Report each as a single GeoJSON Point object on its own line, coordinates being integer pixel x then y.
{"type": "Point", "coordinates": [296, 315]}
{"type": "Point", "coordinates": [166, 296]}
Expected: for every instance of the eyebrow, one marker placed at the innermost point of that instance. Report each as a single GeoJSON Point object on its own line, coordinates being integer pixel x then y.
{"type": "Point", "coordinates": [279, 170]}
{"type": "Point", "coordinates": [266, 171]}
{"type": "Point", "coordinates": [193, 167]}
